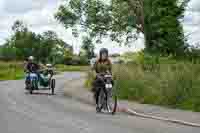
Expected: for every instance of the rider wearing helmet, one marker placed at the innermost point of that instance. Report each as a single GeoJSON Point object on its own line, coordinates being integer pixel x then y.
{"type": "Point", "coordinates": [31, 66]}
{"type": "Point", "coordinates": [102, 65]}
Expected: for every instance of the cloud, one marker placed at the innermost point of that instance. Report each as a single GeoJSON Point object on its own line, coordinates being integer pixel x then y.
{"type": "Point", "coordinates": [194, 5]}
{"type": "Point", "coordinates": [38, 15]}
{"type": "Point", "coordinates": [22, 6]}
{"type": "Point", "coordinates": [192, 18]}
{"type": "Point", "coordinates": [35, 13]}
{"type": "Point", "coordinates": [115, 48]}
{"type": "Point", "coordinates": [192, 22]}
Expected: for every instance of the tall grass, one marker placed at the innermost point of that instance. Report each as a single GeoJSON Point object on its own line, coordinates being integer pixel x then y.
{"type": "Point", "coordinates": [169, 83]}
{"type": "Point", "coordinates": [173, 85]}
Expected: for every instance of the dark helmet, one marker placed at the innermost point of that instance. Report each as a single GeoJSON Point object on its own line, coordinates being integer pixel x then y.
{"type": "Point", "coordinates": [103, 50]}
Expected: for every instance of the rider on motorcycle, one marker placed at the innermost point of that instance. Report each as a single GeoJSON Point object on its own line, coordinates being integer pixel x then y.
{"type": "Point", "coordinates": [102, 66]}
{"type": "Point", "coordinates": [31, 67]}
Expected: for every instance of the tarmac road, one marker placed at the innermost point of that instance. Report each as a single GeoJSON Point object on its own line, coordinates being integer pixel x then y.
{"type": "Point", "coordinates": [21, 112]}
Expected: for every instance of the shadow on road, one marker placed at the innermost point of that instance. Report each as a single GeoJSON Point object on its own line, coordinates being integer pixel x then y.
{"type": "Point", "coordinates": [40, 93]}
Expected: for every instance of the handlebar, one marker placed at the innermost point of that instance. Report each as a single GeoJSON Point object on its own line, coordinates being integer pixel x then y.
{"type": "Point", "coordinates": [103, 74]}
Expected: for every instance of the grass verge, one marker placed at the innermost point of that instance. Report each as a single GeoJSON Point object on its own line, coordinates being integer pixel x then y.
{"type": "Point", "coordinates": [174, 85]}
{"type": "Point", "coordinates": [11, 70]}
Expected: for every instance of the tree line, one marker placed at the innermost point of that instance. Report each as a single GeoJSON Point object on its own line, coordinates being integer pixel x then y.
{"type": "Point", "coordinates": [123, 21]}
{"type": "Point", "coordinates": [45, 47]}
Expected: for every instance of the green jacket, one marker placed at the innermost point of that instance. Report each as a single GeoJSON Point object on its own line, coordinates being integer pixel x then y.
{"type": "Point", "coordinates": [103, 66]}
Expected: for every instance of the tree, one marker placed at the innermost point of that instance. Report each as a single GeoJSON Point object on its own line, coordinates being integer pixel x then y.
{"type": "Point", "coordinates": [163, 29]}
{"type": "Point", "coordinates": [7, 52]}
{"type": "Point", "coordinates": [61, 53]}
{"type": "Point", "coordinates": [88, 47]}
{"type": "Point", "coordinates": [121, 20]}
{"type": "Point", "coordinates": [19, 26]}
{"type": "Point", "coordinates": [68, 57]}
{"type": "Point", "coordinates": [47, 44]}
{"type": "Point", "coordinates": [46, 47]}
{"type": "Point", "coordinates": [22, 40]}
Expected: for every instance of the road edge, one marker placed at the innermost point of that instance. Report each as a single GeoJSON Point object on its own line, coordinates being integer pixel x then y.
{"type": "Point", "coordinates": [85, 96]}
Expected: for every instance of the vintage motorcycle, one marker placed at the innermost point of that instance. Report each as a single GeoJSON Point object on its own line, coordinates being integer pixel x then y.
{"type": "Point", "coordinates": [40, 80]}
{"type": "Point", "coordinates": [107, 98]}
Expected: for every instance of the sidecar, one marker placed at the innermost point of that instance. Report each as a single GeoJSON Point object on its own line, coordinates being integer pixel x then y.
{"type": "Point", "coordinates": [42, 80]}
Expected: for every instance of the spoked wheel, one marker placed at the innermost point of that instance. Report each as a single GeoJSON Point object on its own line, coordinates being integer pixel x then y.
{"type": "Point", "coordinates": [107, 102]}
{"type": "Point", "coordinates": [32, 86]}
{"type": "Point", "coordinates": [101, 101]}
{"type": "Point", "coordinates": [31, 90]}
{"type": "Point", "coordinates": [111, 102]}
{"type": "Point", "coordinates": [27, 85]}
{"type": "Point", "coordinates": [52, 86]}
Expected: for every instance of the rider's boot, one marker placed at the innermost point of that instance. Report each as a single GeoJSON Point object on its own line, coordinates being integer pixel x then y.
{"type": "Point", "coordinates": [98, 109]}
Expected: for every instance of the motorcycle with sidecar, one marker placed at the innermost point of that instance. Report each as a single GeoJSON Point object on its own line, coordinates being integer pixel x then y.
{"type": "Point", "coordinates": [40, 80]}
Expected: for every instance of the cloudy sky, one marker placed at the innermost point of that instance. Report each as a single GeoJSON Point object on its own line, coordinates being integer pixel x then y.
{"type": "Point", "coordinates": [38, 15]}
{"type": "Point", "coordinates": [192, 21]}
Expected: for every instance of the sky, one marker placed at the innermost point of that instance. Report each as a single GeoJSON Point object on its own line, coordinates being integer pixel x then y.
{"type": "Point", "coordinates": [38, 16]}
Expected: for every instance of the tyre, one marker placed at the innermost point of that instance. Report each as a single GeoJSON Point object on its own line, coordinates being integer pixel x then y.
{"type": "Point", "coordinates": [31, 90]}
{"type": "Point", "coordinates": [107, 102]}
{"type": "Point", "coordinates": [111, 104]}
{"type": "Point", "coordinates": [52, 86]}
{"type": "Point", "coordinates": [31, 87]}
{"type": "Point", "coordinates": [27, 85]}
{"type": "Point", "coordinates": [101, 101]}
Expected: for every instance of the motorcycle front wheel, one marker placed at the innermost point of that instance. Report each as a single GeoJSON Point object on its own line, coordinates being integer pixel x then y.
{"type": "Point", "coordinates": [106, 102]}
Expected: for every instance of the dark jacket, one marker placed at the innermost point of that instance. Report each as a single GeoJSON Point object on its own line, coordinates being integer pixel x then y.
{"type": "Point", "coordinates": [32, 67]}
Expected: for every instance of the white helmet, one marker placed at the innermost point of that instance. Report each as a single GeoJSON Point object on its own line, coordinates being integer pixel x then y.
{"type": "Point", "coordinates": [30, 58]}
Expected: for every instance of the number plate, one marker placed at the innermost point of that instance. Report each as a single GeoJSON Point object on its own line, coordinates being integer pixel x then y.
{"type": "Point", "coordinates": [33, 75]}
{"type": "Point", "coordinates": [108, 76]}
{"type": "Point", "coordinates": [108, 86]}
